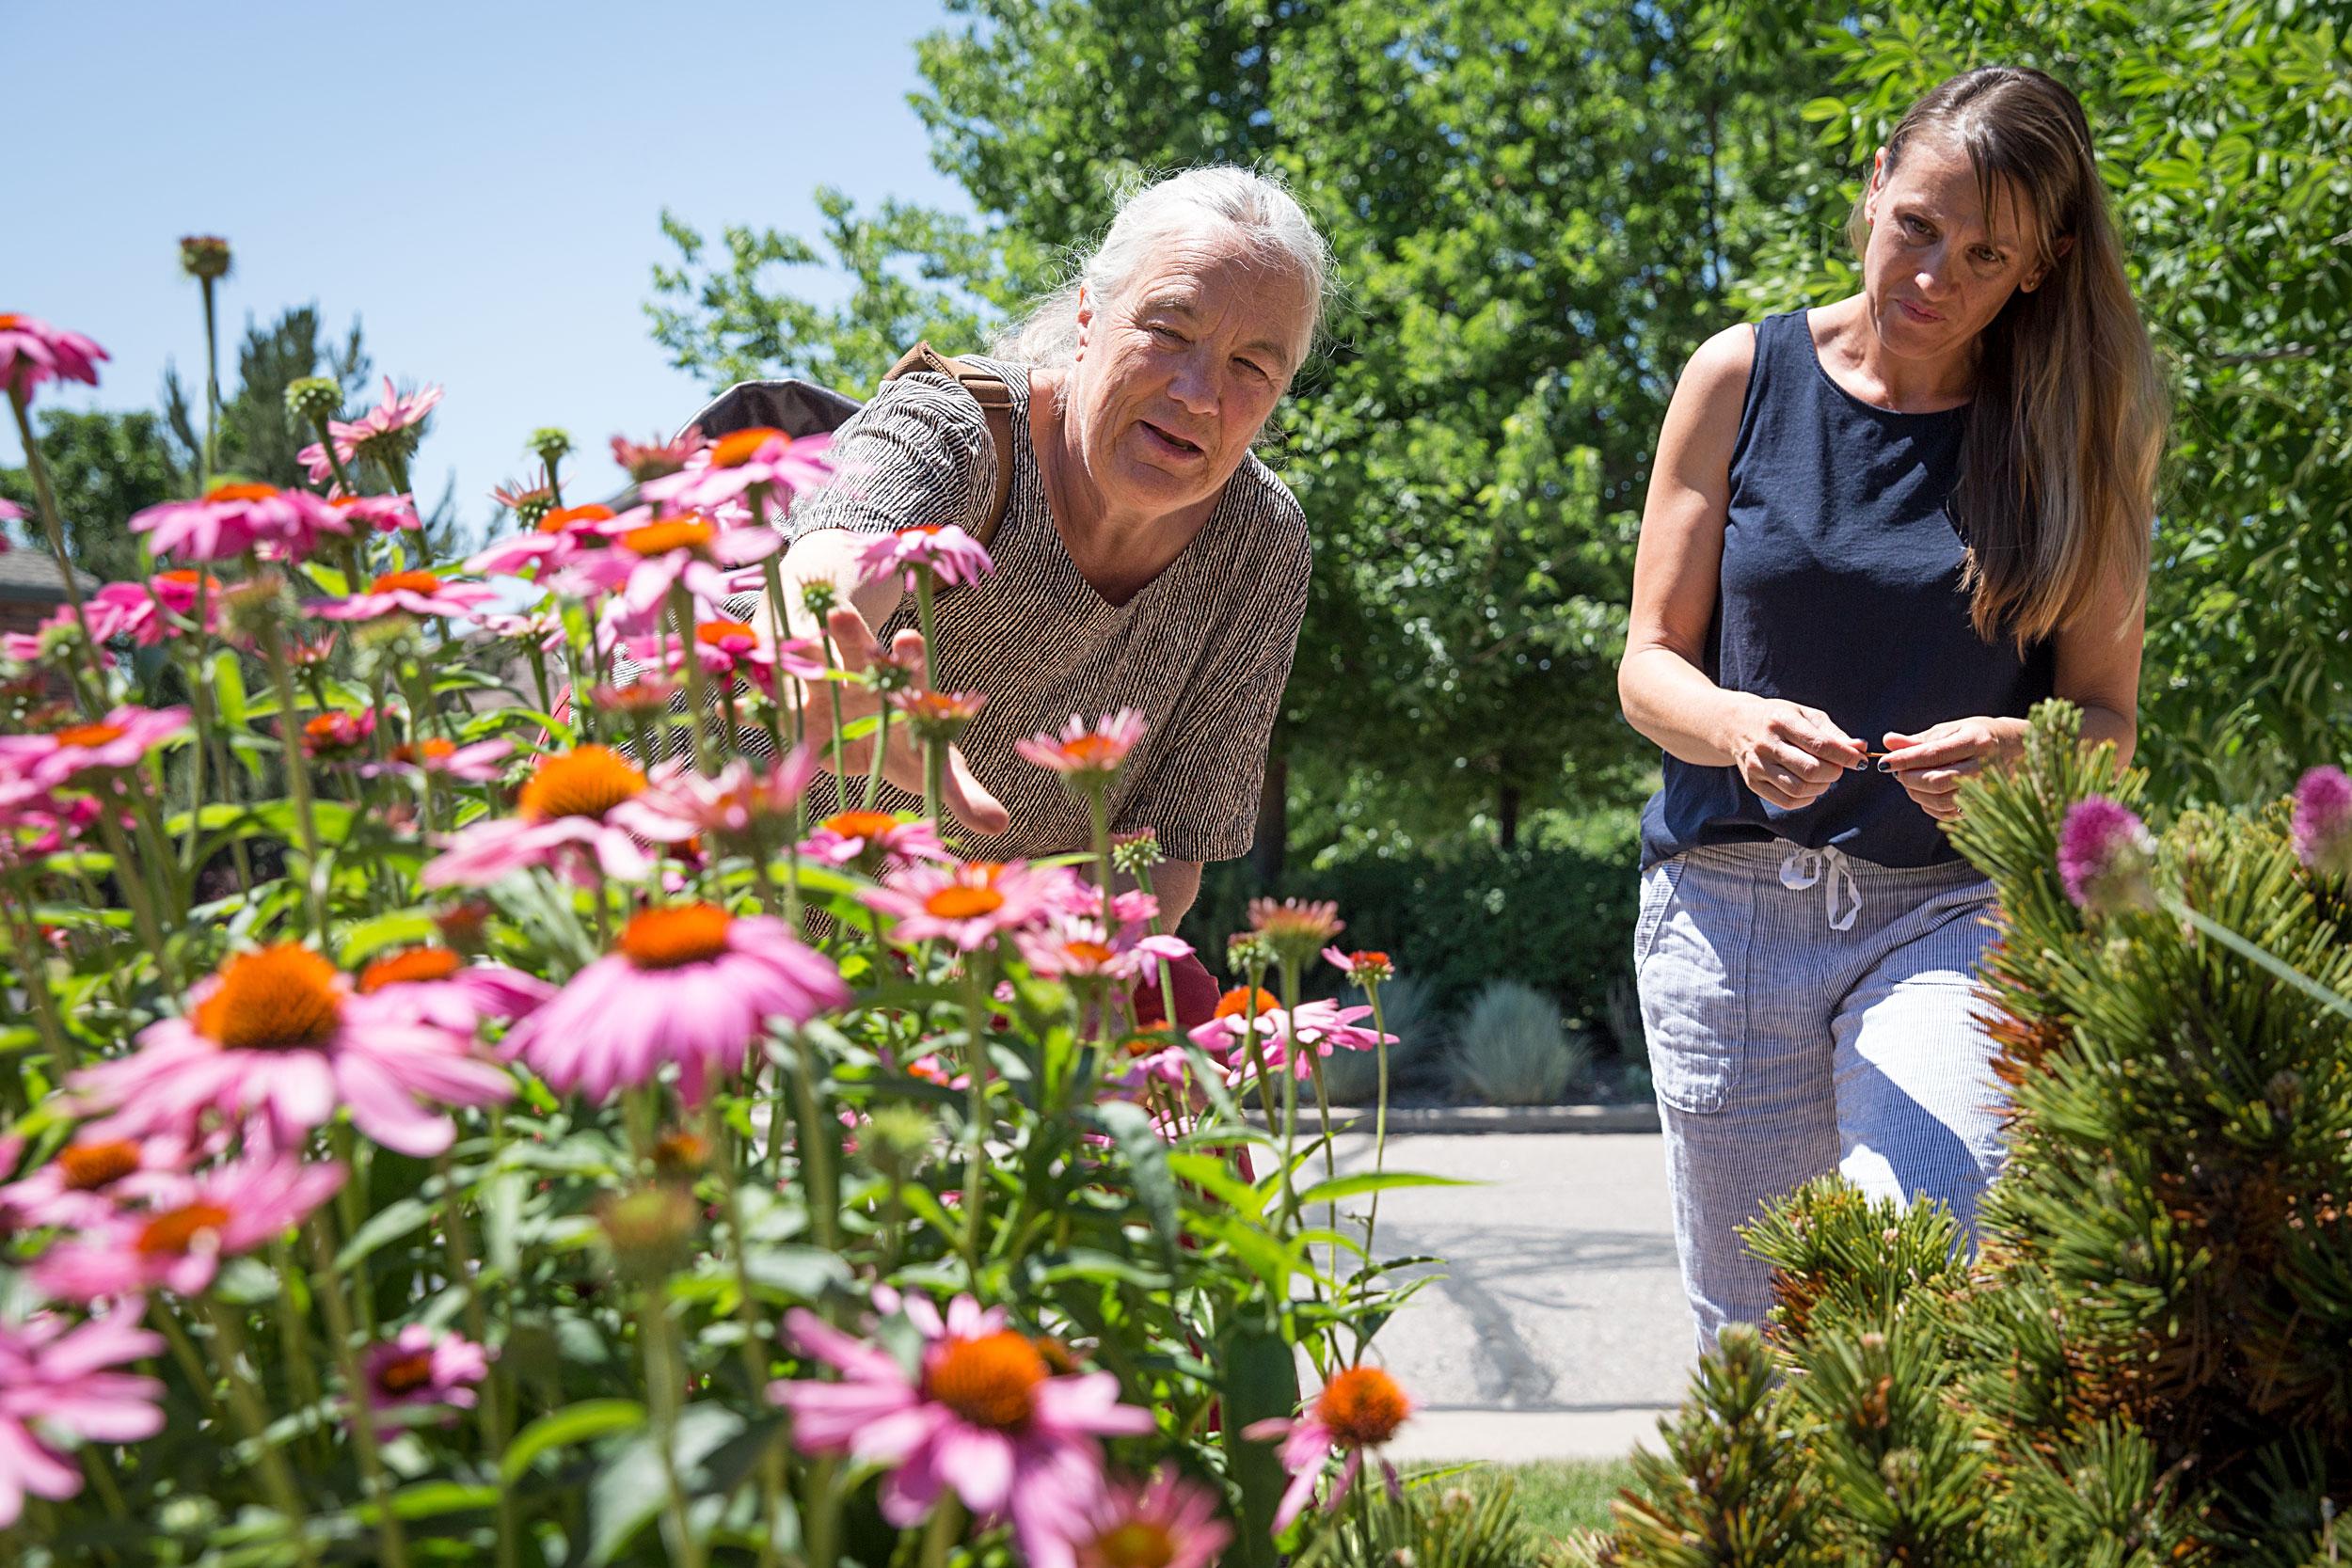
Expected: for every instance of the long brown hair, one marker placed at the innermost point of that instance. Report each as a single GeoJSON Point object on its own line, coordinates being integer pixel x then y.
{"type": "Point", "coordinates": [2058, 470]}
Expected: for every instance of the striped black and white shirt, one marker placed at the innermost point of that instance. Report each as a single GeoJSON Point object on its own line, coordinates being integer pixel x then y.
{"type": "Point", "coordinates": [1202, 651]}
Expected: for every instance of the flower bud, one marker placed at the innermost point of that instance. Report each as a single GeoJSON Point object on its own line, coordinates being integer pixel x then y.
{"type": "Point", "coordinates": [204, 256]}
{"type": "Point", "coordinates": [550, 445]}
{"type": "Point", "coordinates": [2104, 857]}
{"type": "Point", "coordinates": [256, 609]}
{"type": "Point", "coordinates": [1136, 852]}
{"type": "Point", "coordinates": [897, 1137]}
{"type": "Point", "coordinates": [314, 398]}
{"type": "Point", "coordinates": [650, 1230]}
{"type": "Point", "coordinates": [2323, 821]}
{"type": "Point", "coordinates": [818, 597]}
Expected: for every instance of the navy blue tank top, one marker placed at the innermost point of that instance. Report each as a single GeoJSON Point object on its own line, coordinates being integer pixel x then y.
{"type": "Point", "coordinates": [1840, 590]}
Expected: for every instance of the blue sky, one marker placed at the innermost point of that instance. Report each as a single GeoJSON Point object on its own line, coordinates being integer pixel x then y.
{"type": "Point", "coordinates": [481, 183]}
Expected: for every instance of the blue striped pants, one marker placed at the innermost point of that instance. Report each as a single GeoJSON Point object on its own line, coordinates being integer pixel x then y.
{"type": "Point", "coordinates": [1808, 1012]}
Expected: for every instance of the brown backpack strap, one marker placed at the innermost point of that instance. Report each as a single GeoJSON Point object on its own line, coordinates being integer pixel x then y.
{"type": "Point", "coordinates": [989, 390]}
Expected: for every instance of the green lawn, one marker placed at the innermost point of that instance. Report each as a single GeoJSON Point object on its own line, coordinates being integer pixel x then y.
{"type": "Point", "coordinates": [1558, 1496]}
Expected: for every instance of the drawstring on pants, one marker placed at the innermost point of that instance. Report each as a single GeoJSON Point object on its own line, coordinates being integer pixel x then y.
{"type": "Point", "coordinates": [1802, 869]}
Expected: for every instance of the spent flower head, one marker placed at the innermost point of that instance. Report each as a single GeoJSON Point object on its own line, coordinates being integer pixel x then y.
{"type": "Point", "coordinates": [550, 444]}
{"type": "Point", "coordinates": [1134, 853]}
{"type": "Point", "coordinates": [1296, 927]}
{"type": "Point", "coordinates": [312, 400]}
{"type": "Point", "coordinates": [204, 256]}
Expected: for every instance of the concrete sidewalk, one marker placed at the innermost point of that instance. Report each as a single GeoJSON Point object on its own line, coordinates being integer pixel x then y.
{"type": "Point", "coordinates": [1557, 1328]}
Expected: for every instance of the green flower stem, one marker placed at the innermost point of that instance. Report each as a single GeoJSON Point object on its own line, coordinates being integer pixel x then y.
{"type": "Point", "coordinates": [350, 1205]}
{"type": "Point", "coordinates": [664, 1378]}
{"type": "Point", "coordinates": [493, 1418]}
{"type": "Point", "coordinates": [815, 1145]}
{"type": "Point", "coordinates": [820, 1512]}
{"type": "Point", "coordinates": [53, 528]}
{"type": "Point", "coordinates": [925, 618]}
{"type": "Point", "coordinates": [298, 780]}
{"type": "Point", "coordinates": [335, 462]}
{"type": "Point", "coordinates": [1379, 1138]}
{"type": "Point", "coordinates": [32, 969]}
{"type": "Point", "coordinates": [2257, 956]}
{"type": "Point", "coordinates": [697, 680]}
{"type": "Point", "coordinates": [935, 784]}
{"type": "Point", "coordinates": [724, 1155]}
{"type": "Point", "coordinates": [293, 1334]}
{"type": "Point", "coordinates": [1254, 981]}
{"type": "Point", "coordinates": [1290, 1096]}
{"type": "Point", "coordinates": [191, 1365]}
{"type": "Point", "coordinates": [1098, 794]}
{"type": "Point", "coordinates": [134, 885]}
{"type": "Point", "coordinates": [945, 1528]}
{"type": "Point", "coordinates": [975, 1009]}
{"type": "Point", "coordinates": [211, 385]}
{"type": "Point", "coordinates": [832, 695]}
{"type": "Point", "coordinates": [328, 1286]}
{"type": "Point", "coordinates": [229, 1339]}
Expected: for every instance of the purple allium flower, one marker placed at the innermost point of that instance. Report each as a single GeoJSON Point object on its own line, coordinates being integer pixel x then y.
{"type": "Point", "coordinates": [2323, 821]}
{"type": "Point", "coordinates": [2104, 857]}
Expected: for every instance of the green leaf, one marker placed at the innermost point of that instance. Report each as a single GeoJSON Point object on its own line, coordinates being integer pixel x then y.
{"type": "Point", "coordinates": [1376, 1181]}
{"type": "Point", "coordinates": [1131, 1129]}
{"type": "Point", "coordinates": [561, 1429]}
{"type": "Point", "coordinates": [1261, 1382]}
{"type": "Point", "coordinates": [391, 1222]}
{"type": "Point", "coordinates": [229, 698]}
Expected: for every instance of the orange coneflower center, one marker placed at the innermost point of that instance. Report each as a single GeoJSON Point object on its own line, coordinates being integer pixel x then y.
{"type": "Point", "coordinates": [690, 532]}
{"type": "Point", "coordinates": [1362, 1406]}
{"type": "Point", "coordinates": [408, 966]}
{"type": "Point", "coordinates": [1088, 951]}
{"type": "Point", "coordinates": [9, 320]}
{"type": "Point", "coordinates": [733, 452]}
{"type": "Point", "coordinates": [680, 1154]}
{"type": "Point", "coordinates": [240, 492]}
{"type": "Point", "coordinates": [990, 1380]}
{"type": "Point", "coordinates": [176, 1229]}
{"type": "Point", "coordinates": [281, 998]}
{"type": "Point", "coordinates": [860, 824]}
{"type": "Point", "coordinates": [585, 781]}
{"type": "Point", "coordinates": [187, 576]}
{"type": "Point", "coordinates": [89, 735]}
{"type": "Point", "coordinates": [1134, 1544]}
{"type": "Point", "coordinates": [1239, 1003]}
{"type": "Point", "coordinates": [415, 582]}
{"type": "Point", "coordinates": [715, 633]}
{"type": "Point", "coordinates": [433, 749]}
{"type": "Point", "coordinates": [569, 516]}
{"type": "Point", "coordinates": [1091, 750]}
{"type": "Point", "coordinates": [959, 902]}
{"type": "Point", "coordinates": [674, 938]}
{"type": "Point", "coordinates": [87, 1168]}
{"type": "Point", "coordinates": [406, 1374]}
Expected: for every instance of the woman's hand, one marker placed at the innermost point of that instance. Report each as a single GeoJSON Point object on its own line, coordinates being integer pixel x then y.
{"type": "Point", "coordinates": [1789, 753]}
{"type": "Point", "coordinates": [1931, 765]}
{"type": "Point", "coordinates": [902, 763]}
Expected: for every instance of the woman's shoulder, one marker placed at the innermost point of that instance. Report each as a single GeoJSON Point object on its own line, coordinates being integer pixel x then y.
{"type": "Point", "coordinates": [1267, 507]}
{"type": "Point", "coordinates": [1726, 360]}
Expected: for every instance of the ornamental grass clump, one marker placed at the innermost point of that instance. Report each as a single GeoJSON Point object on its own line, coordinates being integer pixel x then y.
{"type": "Point", "coordinates": [443, 1124]}
{"type": "Point", "coordinates": [2147, 1358]}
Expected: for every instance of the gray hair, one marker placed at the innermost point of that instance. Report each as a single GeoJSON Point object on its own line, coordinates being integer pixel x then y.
{"type": "Point", "coordinates": [1256, 206]}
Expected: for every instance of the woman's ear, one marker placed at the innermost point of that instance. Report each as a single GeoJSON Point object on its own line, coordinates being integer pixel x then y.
{"type": "Point", "coordinates": [1086, 320]}
{"type": "Point", "coordinates": [2057, 253]}
{"type": "Point", "coordinates": [1878, 184]}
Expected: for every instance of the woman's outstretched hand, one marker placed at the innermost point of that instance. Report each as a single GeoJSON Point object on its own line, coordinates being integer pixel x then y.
{"type": "Point", "coordinates": [1931, 765]}
{"type": "Point", "coordinates": [902, 763]}
{"type": "Point", "coordinates": [1789, 753]}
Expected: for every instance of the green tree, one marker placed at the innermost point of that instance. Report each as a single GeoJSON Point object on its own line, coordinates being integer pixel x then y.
{"type": "Point", "coordinates": [257, 438]}
{"type": "Point", "coordinates": [104, 467]}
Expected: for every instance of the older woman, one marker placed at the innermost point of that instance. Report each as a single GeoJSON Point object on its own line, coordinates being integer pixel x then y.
{"type": "Point", "coordinates": [1145, 560]}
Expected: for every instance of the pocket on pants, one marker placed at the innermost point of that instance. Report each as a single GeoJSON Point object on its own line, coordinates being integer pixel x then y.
{"type": "Point", "coordinates": [1691, 968]}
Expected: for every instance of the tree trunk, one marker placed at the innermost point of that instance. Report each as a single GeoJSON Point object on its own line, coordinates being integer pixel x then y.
{"type": "Point", "coordinates": [1508, 816]}
{"type": "Point", "coordinates": [1273, 816]}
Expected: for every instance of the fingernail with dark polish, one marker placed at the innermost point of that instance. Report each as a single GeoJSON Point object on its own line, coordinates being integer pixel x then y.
{"type": "Point", "coordinates": [1885, 766]}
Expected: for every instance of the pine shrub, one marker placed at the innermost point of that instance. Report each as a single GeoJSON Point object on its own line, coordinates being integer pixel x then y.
{"type": "Point", "coordinates": [1513, 1050]}
{"type": "Point", "coordinates": [2148, 1359]}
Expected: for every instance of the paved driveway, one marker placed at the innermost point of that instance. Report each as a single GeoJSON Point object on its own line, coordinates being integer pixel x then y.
{"type": "Point", "coordinates": [1557, 1328]}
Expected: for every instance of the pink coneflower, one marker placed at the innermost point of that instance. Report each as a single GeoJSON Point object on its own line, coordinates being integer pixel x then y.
{"type": "Point", "coordinates": [646, 460]}
{"type": "Point", "coordinates": [441, 987]}
{"type": "Point", "coordinates": [120, 740]}
{"type": "Point", "coordinates": [387, 432]}
{"type": "Point", "coordinates": [1164, 1522]}
{"type": "Point", "coordinates": [735, 464]}
{"type": "Point", "coordinates": [412, 593]}
{"type": "Point", "coordinates": [2323, 821]}
{"type": "Point", "coordinates": [725, 649]}
{"type": "Point", "coordinates": [1086, 755]}
{"type": "Point", "coordinates": [421, 1367]}
{"type": "Point", "coordinates": [984, 1416]}
{"type": "Point", "coordinates": [141, 605]}
{"type": "Point", "coordinates": [90, 1178]}
{"type": "Point", "coordinates": [32, 351]}
{"type": "Point", "coordinates": [970, 904]}
{"type": "Point", "coordinates": [1298, 1041]}
{"type": "Point", "coordinates": [277, 1035]}
{"type": "Point", "coordinates": [178, 1241]}
{"type": "Point", "coordinates": [54, 1385]}
{"type": "Point", "coordinates": [1367, 969]}
{"type": "Point", "coordinates": [692, 984]}
{"type": "Point", "coordinates": [2105, 855]}
{"type": "Point", "coordinates": [561, 813]}
{"type": "Point", "coordinates": [643, 562]}
{"type": "Point", "coordinates": [556, 540]}
{"type": "Point", "coordinates": [337, 736]}
{"type": "Point", "coordinates": [868, 839]}
{"type": "Point", "coordinates": [384, 514]}
{"type": "Point", "coordinates": [936, 717]}
{"type": "Point", "coordinates": [680, 803]}
{"type": "Point", "coordinates": [1296, 927]}
{"type": "Point", "coordinates": [1357, 1411]}
{"type": "Point", "coordinates": [234, 518]}
{"type": "Point", "coordinates": [1076, 947]}
{"type": "Point", "coordinates": [480, 762]}
{"type": "Point", "coordinates": [952, 555]}
{"type": "Point", "coordinates": [543, 626]}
